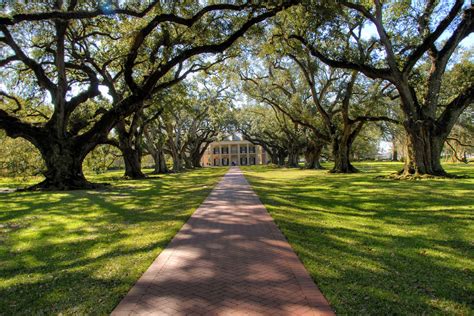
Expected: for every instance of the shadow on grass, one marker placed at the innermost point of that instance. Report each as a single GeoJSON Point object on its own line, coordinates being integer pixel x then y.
{"type": "Point", "coordinates": [229, 256]}
{"type": "Point", "coordinates": [376, 246]}
{"type": "Point", "coordinates": [383, 274]}
{"type": "Point", "coordinates": [79, 252]}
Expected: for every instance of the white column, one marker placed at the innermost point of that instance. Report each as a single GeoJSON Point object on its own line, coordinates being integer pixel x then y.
{"type": "Point", "coordinates": [238, 154]}
{"type": "Point", "coordinates": [248, 154]}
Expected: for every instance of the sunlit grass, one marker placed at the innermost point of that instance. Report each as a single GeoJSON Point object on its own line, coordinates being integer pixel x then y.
{"type": "Point", "coordinates": [79, 252]}
{"type": "Point", "coordinates": [377, 246]}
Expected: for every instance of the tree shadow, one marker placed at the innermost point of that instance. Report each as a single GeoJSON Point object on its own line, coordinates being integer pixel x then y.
{"type": "Point", "coordinates": [377, 246]}
{"type": "Point", "coordinates": [78, 252]}
{"type": "Point", "coordinates": [228, 258]}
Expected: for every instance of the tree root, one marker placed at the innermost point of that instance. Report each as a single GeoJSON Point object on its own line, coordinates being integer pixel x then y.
{"type": "Point", "coordinates": [313, 168]}
{"type": "Point", "coordinates": [134, 177]}
{"type": "Point", "coordinates": [158, 172]}
{"type": "Point", "coordinates": [48, 185]}
{"type": "Point", "coordinates": [350, 170]}
{"type": "Point", "coordinates": [415, 177]}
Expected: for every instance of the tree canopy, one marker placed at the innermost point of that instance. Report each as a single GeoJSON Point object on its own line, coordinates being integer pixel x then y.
{"type": "Point", "coordinates": [299, 78]}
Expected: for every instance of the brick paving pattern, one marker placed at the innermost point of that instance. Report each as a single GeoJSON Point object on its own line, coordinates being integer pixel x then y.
{"type": "Point", "coordinates": [228, 259]}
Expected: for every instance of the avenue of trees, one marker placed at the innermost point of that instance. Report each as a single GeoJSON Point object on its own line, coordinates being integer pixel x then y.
{"type": "Point", "coordinates": [88, 82]}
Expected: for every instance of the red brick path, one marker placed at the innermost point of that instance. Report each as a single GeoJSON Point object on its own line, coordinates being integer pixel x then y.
{"type": "Point", "coordinates": [228, 259]}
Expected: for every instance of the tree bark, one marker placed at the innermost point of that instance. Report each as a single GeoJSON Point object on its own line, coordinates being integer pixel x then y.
{"type": "Point", "coordinates": [132, 157]}
{"type": "Point", "coordinates": [196, 158]}
{"type": "Point", "coordinates": [423, 150]}
{"type": "Point", "coordinates": [177, 161]}
{"type": "Point", "coordinates": [154, 144]}
{"type": "Point", "coordinates": [394, 152]}
{"type": "Point", "coordinates": [188, 162]}
{"type": "Point", "coordinates": [196, 161]}
{"type": "Point", "coordinates": [160, 162]}
{"type": "Point", "coordinates": [293, 158]}
{"type": "Point", "coordinates": [63, 160]}
{"type": "Point", "coordinates": [281, 159]}
{"type": "Point", "coordinates": [273, 158]}
{"type": "Point", "coordinates": [312, 157]}
{"type": "Point", "coordinates": [197, 155]}
{"type": "Point", "coordinates": [341, 149]}
{"type": "Point", "coordinates": [129, 141]}
{"type": "Point", "coordinates": [133, 162]}
{"type": "Point", "coordinates": [177, 164]}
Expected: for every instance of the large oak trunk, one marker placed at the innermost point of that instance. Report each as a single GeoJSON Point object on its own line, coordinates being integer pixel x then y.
{"type": "Point", "coordinates": [188, 163]}
{"type": "Point", "coordinates": [160, 162]}
{"type": "Point", "coordinates": [424, 149]}
{"type": "Point", "coordinates": [63, 161]}
{"type": "Point", "coordinates": [281, 159]}
{"type": "Point", "coordinates": [312, 157]}
{"type": "Point", "coordinates": [195, 154]}
{"type": "Point", "coordinates": [274, 159]}
{"type": "Point", "coordinates": [293, 159]}
{"type": "Point", "coordinates": [394, 155]}
{"type": "Point", "coordinates": [177, 162]}
{"type": "Point", "coordinates": [196, 160]}
{"type": "Point", "coordinates": [341, 149]}
{"type": "Point", "coordinates": [133, 163]}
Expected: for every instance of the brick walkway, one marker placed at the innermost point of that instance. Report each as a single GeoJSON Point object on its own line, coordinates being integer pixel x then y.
{"type": "Point", "coordinates": [228, 259]}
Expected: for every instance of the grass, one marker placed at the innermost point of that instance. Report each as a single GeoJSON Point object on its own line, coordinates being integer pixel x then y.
{"type": "Point", "coordinates": [79, 252]}
{"type": "Point", "coordinates": [377, 246]}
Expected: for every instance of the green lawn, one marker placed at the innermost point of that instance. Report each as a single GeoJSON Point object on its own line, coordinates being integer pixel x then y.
{"type": "Point", "coordinates": [79, 252]}
{"type": "Point", "coordinates": [377, 246]}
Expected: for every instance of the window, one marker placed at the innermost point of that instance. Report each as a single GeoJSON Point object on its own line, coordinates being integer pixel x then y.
{"type": "Point", "coordinates": [225, 161]}
{"type": "Point", "coordinates": [252, 161]}
{"type": "Point", "coordinates": [252, 149]}
{"type": "Point", "coordinates": [225, 150]}
{"type": "Point", "coordinates": [243, 149]}
{"type": "Point", "coordinates": [243, 161]}
{"type": "Point", "coordinates": [216, 150]}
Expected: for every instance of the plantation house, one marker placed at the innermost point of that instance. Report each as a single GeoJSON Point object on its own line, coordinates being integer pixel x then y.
{"type": "Point", "coordinates": [235, 152]}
